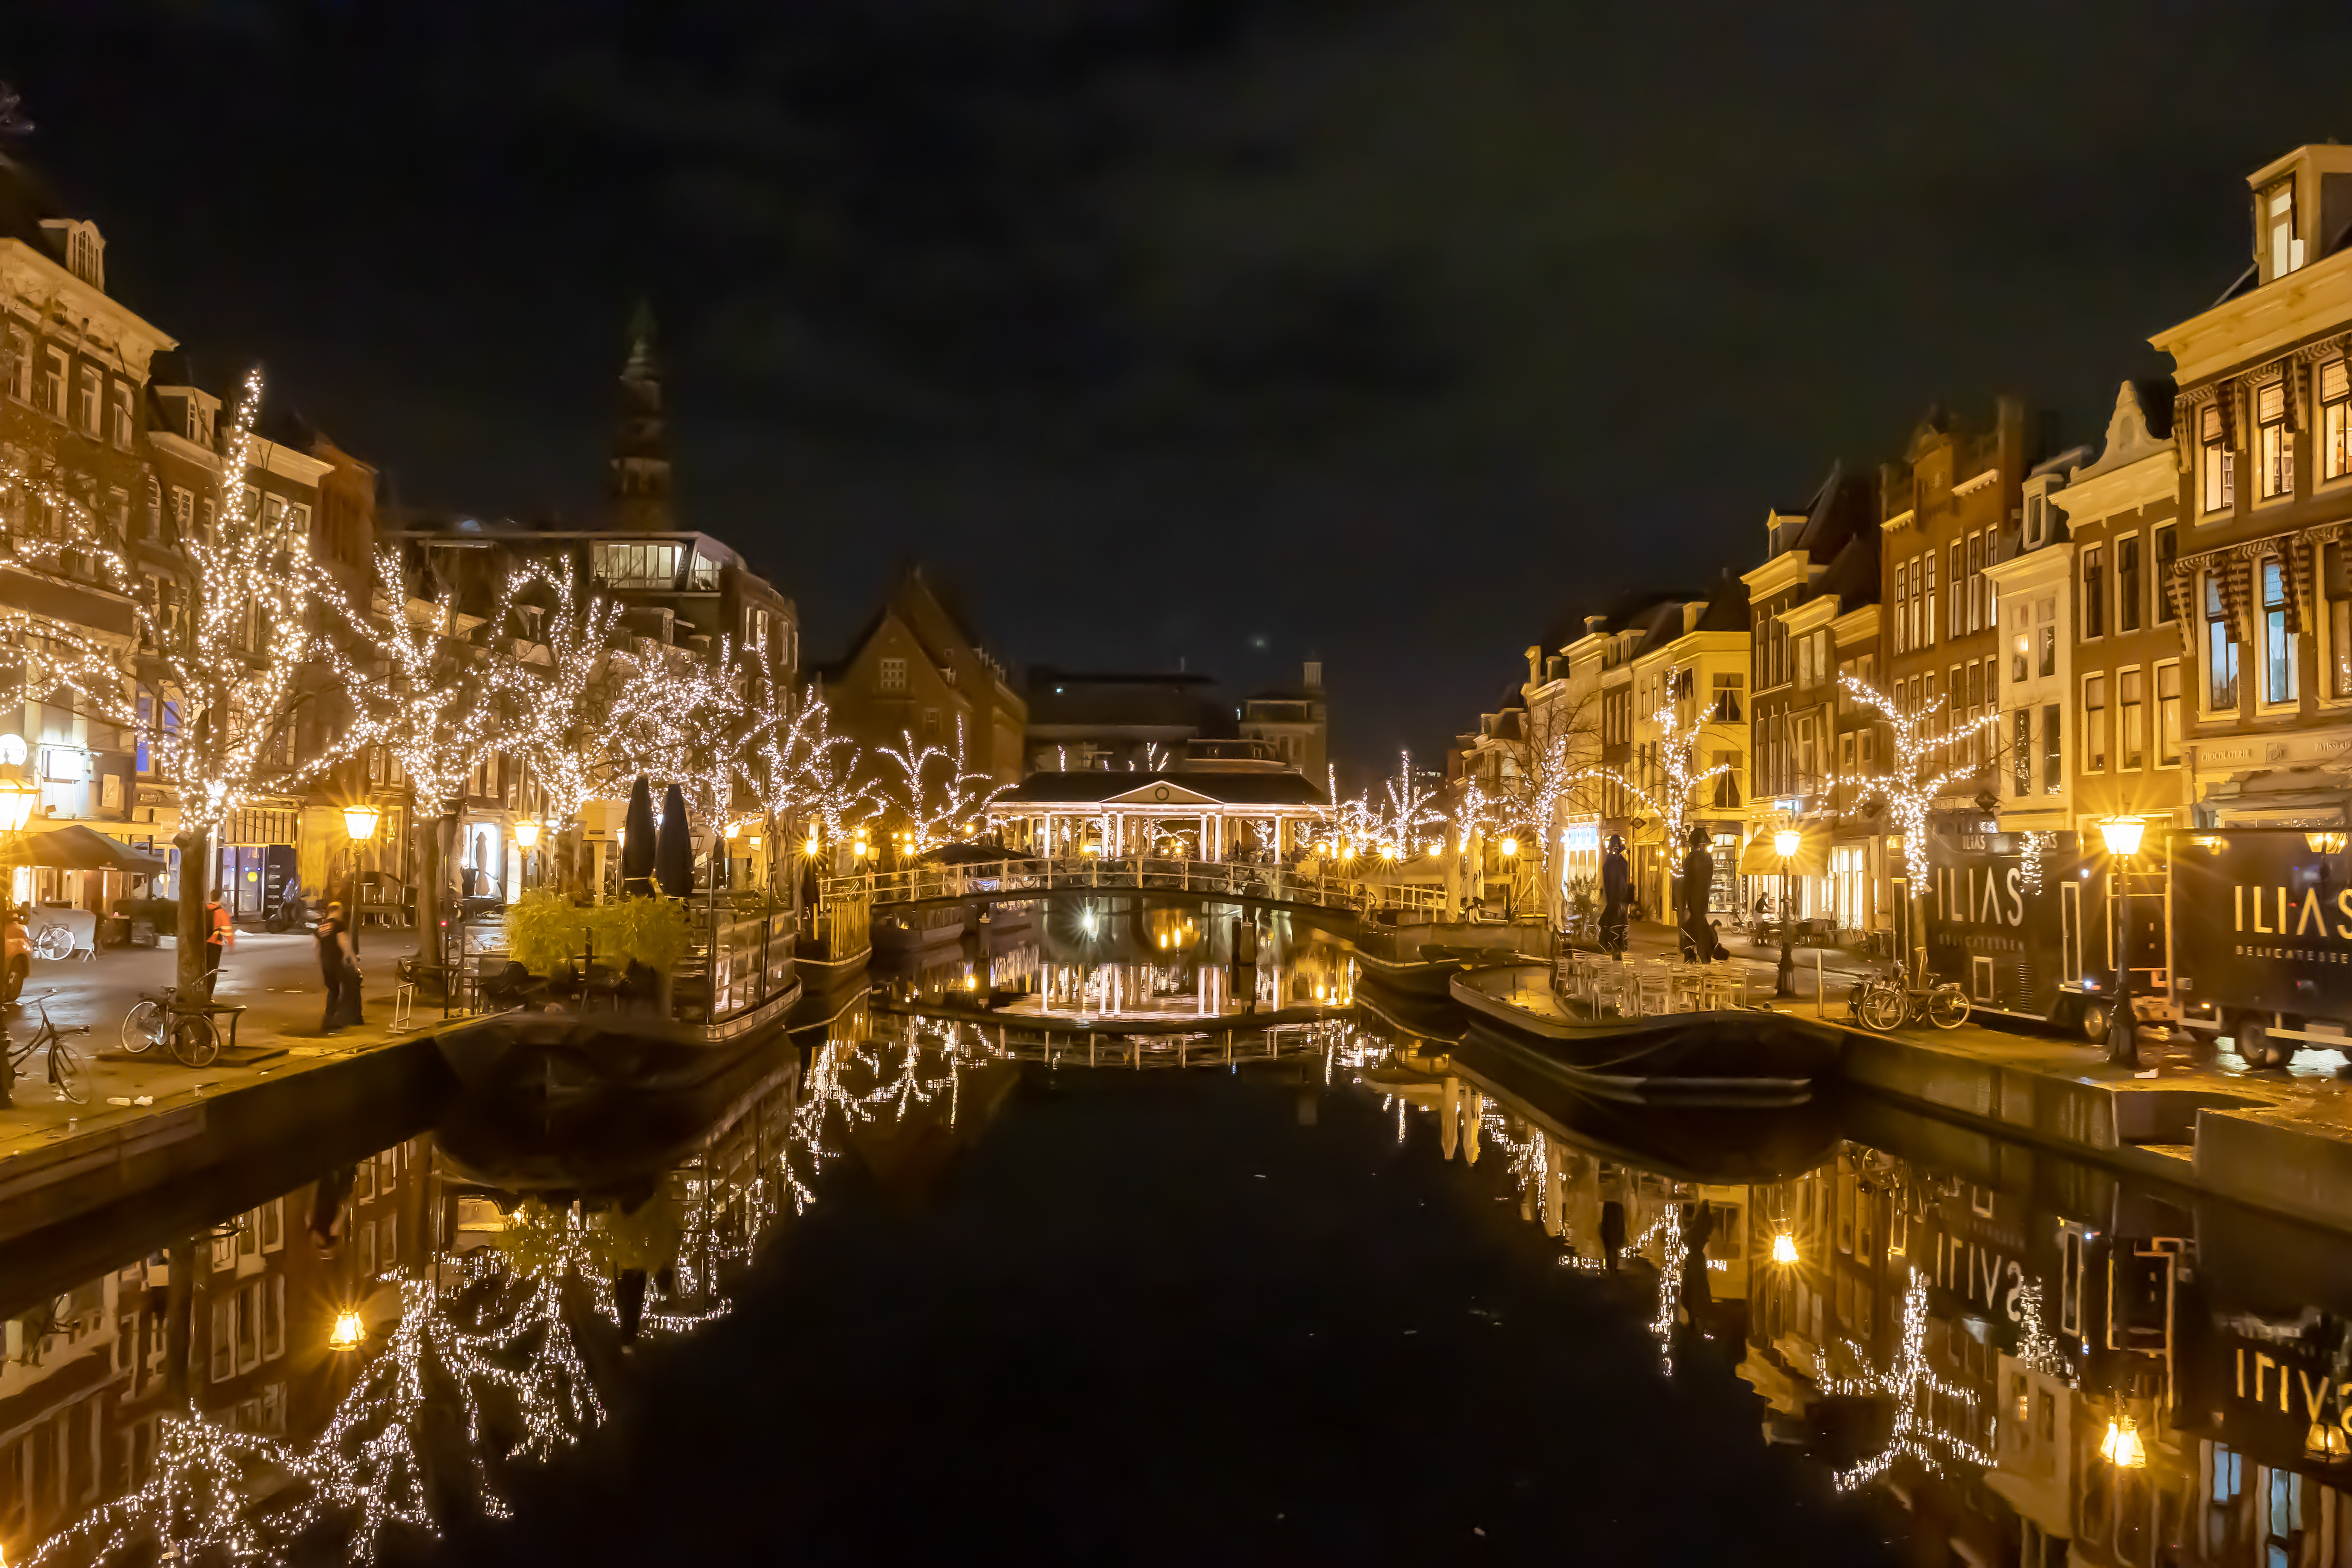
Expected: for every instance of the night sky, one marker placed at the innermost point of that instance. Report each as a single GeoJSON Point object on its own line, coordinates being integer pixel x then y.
{"type": "Point", "coordinates": [1212, 330]}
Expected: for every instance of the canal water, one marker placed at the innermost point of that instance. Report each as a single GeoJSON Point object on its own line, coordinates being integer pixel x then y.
{"type": "Point", "coordinates": [1335, 1294]}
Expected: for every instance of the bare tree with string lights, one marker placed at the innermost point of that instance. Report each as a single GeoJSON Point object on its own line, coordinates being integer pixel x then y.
{"type": "Point", "coordinates": [935, 792]}
{"type": "Point", "coordinates": [1923, 766]}
{"type": "Point", "coordinates": [1679, 775]}
{"type": "Point", "coordinates": [433, 703]}
{"type": "Point", "coordinates": [231, 693]}
{"type": "Point", "coordinates": [563, 715]}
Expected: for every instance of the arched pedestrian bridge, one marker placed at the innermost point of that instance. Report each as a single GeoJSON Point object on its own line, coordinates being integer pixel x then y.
{"type": "Point", "coordinates": [1018, 878]}
{"type": "Point", "coordinates": [1221, 833]}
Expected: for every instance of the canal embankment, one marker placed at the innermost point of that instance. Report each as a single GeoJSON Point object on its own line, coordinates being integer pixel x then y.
{"type": "Point", "coordinates": [2272, 1139]}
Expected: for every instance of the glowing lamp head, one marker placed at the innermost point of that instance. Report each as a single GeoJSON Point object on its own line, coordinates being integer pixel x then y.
{"type": "Point", "coordinates": [349, 1333]}
{"type": "Point", "coordinates": [2326, 1443]}
{"type": "Point", "coordinates": [1784, 1248]}
{"type": "Point", "coordinates": [359, 821]}
{"type": "Point", "coordinates": [2122, 1447]}
{"type": "Point", "coordinates": [813, 845]}
{"type": "Point", "coordinates": [857, 851]}
{"type": "Point", "coordinates": [1322, 847]}
{"type": "Point", "coordinates": [1510, 848]}
{"type": "Point", "coordinates": [1388, 851]}
{"type": "Point", "coordinates": [526, 833]}
{"type": "Point", "coordinates": [1785, 843]}
{"type": "Point", "coordinates": [2321, 843]}
{"type": "Point", "coordinates": [971, 982]}
{"type": "Point", "coordinates": [2123, 835]}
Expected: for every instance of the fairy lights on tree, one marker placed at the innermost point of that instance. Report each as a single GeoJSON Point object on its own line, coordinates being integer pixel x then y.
{"type": "Point", "coordinates": [934, 792]}
{"type": "Point", "coordinates": [1679, 775]}
{"type": "Point", "coordinates": [431, 702]}
{"type": "Point", "coordinates": [1918, 774]}
{"type": "Point", "coordinates": [560, 690]}
{"type": "Point", "coordinates": [239, 673]}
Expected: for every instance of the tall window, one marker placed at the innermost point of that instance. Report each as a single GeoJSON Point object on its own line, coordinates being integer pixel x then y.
{"type": "Point", "coordinates": [2220, 651]}
{"type": "Point", "coordinates": [1980, 546]}
{"type": "Point", "coordinates": [2053, 764]}
{"type": "Point", "coordinates": [53, 385]}
{"type": "Point", "coordinates": [2095, 592]}
{"type": "Point", "coordinates": [1927, 603]}
{"type": "Point", "coordinates": [87, 401]}
{"type": "Point", "coordinates": [2335, 588]}
{"type": "Point", "coordinates": [2278, 229]}
{"type": "Point", "coordinates": [2021, 749]}
{"type": "Point", "coordinates": [2219, 462]}
{"type": "Point", "coordinates": [2130, 716]}
{"type": "Point", "coordinates": [2273, 445]}
{"type": "Point", "coordinates": [1903, 606]}
{"type": "Point", "coordinates": [2128, 583]}
{"type": "Point", "coordinates": [2095, 723]}
{"type": "Point", "coordinates": [2335, 420]}
{"type": "Point", "coordinates": [1956, 618]}
{"type": "Point", "coordinates": [2021, 646]}
{"type": "Point", "coordinates": [2278, 643]}
{"type": "Point", "coordinates": [2168, 715]}
{"type": "Point", "coordinates": [20, 365]}
{"type": "Point", "coordinates": [120, 405]}
{"type": "Point", "coordinates": [2167, 551]}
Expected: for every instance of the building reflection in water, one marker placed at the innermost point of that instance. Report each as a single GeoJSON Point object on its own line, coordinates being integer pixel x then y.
{"type": "Point", "coordinates": [191, 1403]}
{"type": "Point", "coordinates": [2039, 1362]}
{"type": "Point", "coordinates": [1114, 960]}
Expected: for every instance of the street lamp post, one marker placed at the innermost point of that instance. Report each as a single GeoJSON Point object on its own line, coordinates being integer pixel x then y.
{"type": "Point", "coordinates": [1787, 841]}
{"type": "Point", "coordinates": [2123, 835]}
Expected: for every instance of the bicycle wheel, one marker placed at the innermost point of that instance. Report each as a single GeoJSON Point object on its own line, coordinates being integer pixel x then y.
{"type": "Point", "coordinates": [194, 1042]}
{"type": "Point", "coordinates": [68, 1072]}
{"type": "Point", "coordinates": [143, 1027]}
{"type": "Point", "coordinates": [1947, 1008]}
{"type": "Point", "coordinates": [1881, 1008]}
{"type": "Point", "coordinates": [53, 942]}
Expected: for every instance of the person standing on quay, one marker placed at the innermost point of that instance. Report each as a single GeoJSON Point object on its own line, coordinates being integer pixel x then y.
{"type": "Point", "coordinates": [219, 936]}
{"type": "Point", "coordinates": [1616, 892]}
{"type": "Point", "coordinates": [332, 967]}
{"type": "Point", "coordinates": [1698, 881]}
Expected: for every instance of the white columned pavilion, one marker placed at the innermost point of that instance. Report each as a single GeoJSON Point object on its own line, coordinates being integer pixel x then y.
{"type": "Point", "coordinates": [1123, 811]}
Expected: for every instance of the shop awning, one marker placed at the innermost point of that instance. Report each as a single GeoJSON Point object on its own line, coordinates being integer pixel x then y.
{"type": "Point", "coordinates": [1762, 856]}
{"type": "Point", "coordinates": [73, 848]}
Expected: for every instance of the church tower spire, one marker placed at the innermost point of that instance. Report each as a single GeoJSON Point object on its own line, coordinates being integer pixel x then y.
{"type": "Point", "coordinates": [640, 490]}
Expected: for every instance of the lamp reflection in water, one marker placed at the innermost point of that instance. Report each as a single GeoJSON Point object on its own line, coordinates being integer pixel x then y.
{"type": "Point", "coordinates": [349, 1333]}
{"type": "Point", "coordinates": [2327, 1442]}
{"type": "Point", "coordinates": [2121, 1447]}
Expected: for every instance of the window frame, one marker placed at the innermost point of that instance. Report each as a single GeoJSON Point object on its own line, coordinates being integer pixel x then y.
{"type": "Point", "coordinates": [2093, 583]}
{"type": "Point", "coordinates": [2273, 441]}
{"type": "Point", "coordinates": [2131, 719]}
{"type": "Point", "coordinates": [2167, 731]}
{"type": "Point", "coordinates": [2129, 596]}
{"type": "Point", "coordinates": [2282, 648]}
{"type": "Point", "coordinates": [2217, 490]}
{"type": "Point", "coordinates": [2217, 639]}
{"type": "Point", "coordinates": [2094, 721]}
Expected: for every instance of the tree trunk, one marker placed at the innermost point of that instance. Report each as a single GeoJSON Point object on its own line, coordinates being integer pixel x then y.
{"type": "Point", "coordinates": [429, 912]}
{"type": "Point", "coordinates": [195, 844]}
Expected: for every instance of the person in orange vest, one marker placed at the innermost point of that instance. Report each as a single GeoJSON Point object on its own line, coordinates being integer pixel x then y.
{"type": "Point", "coordinates": [219, 934]}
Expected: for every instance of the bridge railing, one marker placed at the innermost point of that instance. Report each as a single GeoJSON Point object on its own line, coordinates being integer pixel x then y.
{"type": "Point", "coordinates": [1208, 878]}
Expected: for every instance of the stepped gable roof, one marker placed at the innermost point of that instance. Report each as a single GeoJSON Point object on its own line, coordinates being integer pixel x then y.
{"type": "Point", "coordinates": [1099, 787]}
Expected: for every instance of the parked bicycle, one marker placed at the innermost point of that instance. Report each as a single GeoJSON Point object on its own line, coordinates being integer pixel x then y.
{"type": "Point", "coordinates": [1888, 1001]}
{"type": "Point", "coordinates": [50, 941]}
{"type": "Point", "coordinates": [65, 1069]}
{"type": "Point", "coordinates": [158, 1020]}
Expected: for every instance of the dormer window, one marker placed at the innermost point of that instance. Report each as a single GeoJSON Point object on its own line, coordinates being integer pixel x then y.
{"type": "Point", "coordinates": [2280, 244]}
{"type": "Point", "coordinates": [81, 248]}
{"type": "Point", "coordinates": [2033, 521]}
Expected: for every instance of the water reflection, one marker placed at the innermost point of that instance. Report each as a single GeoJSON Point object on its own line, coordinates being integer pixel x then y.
{"type": "Point", "coordinates": [2037, 1362]}
{"type": "Point", "coordinates": [2022, 1359]}
{"type": "Point", "coordinates": [1112, 962]}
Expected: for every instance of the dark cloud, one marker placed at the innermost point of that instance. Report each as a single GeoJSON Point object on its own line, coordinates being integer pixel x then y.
{"type": "Point", "coordinates": [1397, 330]}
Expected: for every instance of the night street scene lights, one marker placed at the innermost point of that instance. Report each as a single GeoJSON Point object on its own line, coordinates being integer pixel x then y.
{"type": "Point", "coordinates": [2122, 835]}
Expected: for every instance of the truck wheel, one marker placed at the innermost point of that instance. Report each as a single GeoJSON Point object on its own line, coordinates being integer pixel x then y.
{"type": "Point", "coordinates": [2255, 1047]}
{"type": "Point", "coordinates": [2094, 1022]}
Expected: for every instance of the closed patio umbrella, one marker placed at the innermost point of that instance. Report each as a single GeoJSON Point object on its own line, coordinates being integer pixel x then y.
{"type": "Point", "coordinates": [674, 850]}
{"type": "Point", "coordinates": [638, 847]}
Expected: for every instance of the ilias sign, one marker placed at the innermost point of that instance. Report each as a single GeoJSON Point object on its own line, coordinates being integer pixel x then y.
{"type": "Point", "coordinates": [1994, 898]}
{"type": "Point", "coordinates": [2309, 917]}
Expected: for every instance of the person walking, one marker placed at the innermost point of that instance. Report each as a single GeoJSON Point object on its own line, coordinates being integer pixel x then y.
{"type": "Point", "coordinates": [333, 968]}
{"type": "Point", "coordinates": [348, 935]}
{"type": "Point", "coordinates": [1616, 893]}
{"type": "Point", "coordinates": [220, 935]}
{"type": "Point", "coordinates": [1698, 883]}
